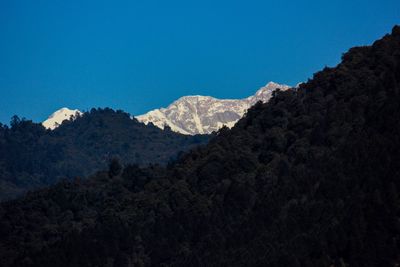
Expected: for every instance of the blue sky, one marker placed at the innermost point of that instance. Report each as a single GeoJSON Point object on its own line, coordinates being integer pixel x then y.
{"type": "Point", "coordinates": [141, 55]}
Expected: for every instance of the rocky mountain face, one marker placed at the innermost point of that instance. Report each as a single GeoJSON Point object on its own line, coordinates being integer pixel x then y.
{"type": "Point", "coordinates": [205, 114]}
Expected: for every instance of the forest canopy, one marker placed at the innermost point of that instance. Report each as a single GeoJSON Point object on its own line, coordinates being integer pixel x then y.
{"type": "Point", "coordinates": [32, 157]}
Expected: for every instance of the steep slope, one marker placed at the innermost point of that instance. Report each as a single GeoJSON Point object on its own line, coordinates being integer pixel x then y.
{"type": "Point", "coordinates": [205, 114]}
{"type": "Point", "coordinates": [310, 178]}
{"type": "Point", "coordinates": [31, 157]}
{"type": "Point", "coordinates": [57, 118]}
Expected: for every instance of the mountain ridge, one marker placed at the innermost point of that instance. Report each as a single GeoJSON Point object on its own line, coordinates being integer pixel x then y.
{"type": "Point", "coordinates": [198, 114]}
{"type": "Point", "coordinates": [190, 114]}
{"type": "Point", "coordinates": [32, 157]}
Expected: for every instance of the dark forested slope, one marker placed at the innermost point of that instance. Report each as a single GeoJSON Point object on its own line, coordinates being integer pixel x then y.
{"type": "Point", "coordinates": [309, 179]}
{"type": "Point", "coordinates": [32, 157]}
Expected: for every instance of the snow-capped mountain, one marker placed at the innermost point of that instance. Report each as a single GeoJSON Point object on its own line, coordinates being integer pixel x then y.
{"type": "Point", "coordinates": [205, 114]}
{"type": "Point", "coordinates": [59, 116]}
{"type": "Point", "coordinates": [189, 114]}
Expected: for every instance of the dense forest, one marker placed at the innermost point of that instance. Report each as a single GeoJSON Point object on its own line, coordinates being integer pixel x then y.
{"type": "Point", "coordinates": [310, 178]}
{"type": "Point", "coordinates": [33, 157]}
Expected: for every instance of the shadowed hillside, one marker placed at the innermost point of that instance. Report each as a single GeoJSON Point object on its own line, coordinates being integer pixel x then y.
{"type": "Point", "coordinates": [32, 157]}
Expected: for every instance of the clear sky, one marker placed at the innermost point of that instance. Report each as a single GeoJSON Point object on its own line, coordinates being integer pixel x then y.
{"type": "Point", "coordinates": [139, 55]}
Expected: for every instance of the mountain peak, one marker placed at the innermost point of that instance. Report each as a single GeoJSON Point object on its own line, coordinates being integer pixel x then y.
{"type": "Point", "coordinates": [272, 84]}
{"type": "Point", "coordinates": [193, 98]}
{"type": "Point", "coordinates": [270, 87]}
{"type": "Point", "coordinates": [56, 119]}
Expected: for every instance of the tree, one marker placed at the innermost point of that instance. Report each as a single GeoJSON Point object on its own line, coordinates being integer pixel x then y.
{"type": "Point", "coordinates": [15, 120]}
{"type": "Point", "coordinates": [114, 168]}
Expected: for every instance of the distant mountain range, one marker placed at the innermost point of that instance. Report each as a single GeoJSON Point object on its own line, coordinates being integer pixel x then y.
{"type": "Point", "coordinates": [190, 115]}
{"type": "Point", "coordinates": [205, 114]}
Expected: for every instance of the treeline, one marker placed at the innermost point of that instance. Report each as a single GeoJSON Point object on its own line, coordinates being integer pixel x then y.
{"type": "Point", "coordinates": [32, 157]}
{"type": "Point", "coordinates": [309, 179]}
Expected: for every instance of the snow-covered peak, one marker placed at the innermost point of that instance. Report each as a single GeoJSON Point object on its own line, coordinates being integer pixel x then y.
{"type": "Point", "coordinates": [272, 85]}
{"type": "Point", "coordinates": [269, 88]}
{"type": "Point", "coordinates": [198, 114]}
{"type": "Point", "coordinates": [192, 99]}
{"type": "Point", "coordinates": [59, 116]}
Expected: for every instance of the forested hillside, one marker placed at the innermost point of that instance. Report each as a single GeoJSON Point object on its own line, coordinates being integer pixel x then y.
{"type": "Point", "coordinates": [309, 179]}
{"type": "Point", "coordinates": [32, 157]}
